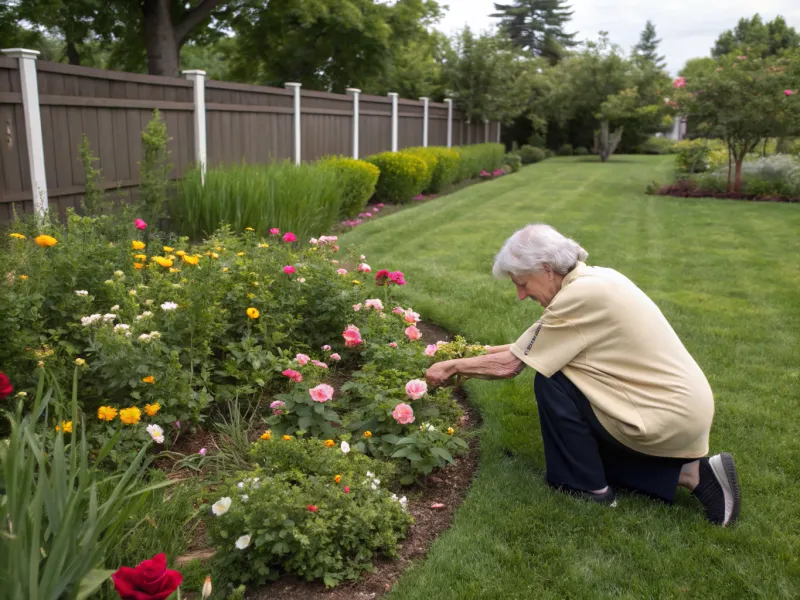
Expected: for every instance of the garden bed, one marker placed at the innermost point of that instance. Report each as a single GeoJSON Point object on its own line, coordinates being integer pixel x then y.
{"type": "Point", "coordinates": [681, 190]}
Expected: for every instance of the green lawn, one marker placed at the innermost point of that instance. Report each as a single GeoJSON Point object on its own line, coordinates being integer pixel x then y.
{"type": "Point", "coordinates": [727, 276]}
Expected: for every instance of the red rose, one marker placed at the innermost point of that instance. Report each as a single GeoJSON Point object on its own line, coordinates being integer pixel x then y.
{"type": "Point", "coordinates": [151, 580]}
{"type": "Point", "coordinates": [312, 508]}
{"type": "Point", "coordinates": [5, 386]}
{"type": "Point", "coordinates": [381, 276]}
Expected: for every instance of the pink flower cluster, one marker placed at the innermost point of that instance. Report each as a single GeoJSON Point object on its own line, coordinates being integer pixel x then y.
{"type": "Point", "coordinates": [409, 316]}
{"type": "Point", "coordinates": [352, 337]}
{"type": "Point", "coordinates": [364, 268]}
{"type": "Point", "coordinates": [374, 303]}
{"type": "Point", "coordinates": [293, 375]}
{"type": "Point", "coordinates": [413, 333]}
{"type": "Point", "coordinates": [364, 215]}
{"type": "Point", "coordinates": [277, 407]}
{"type": "Point", "coordinates": [384, 277]}
{"type": "Point", "coordinates": [680, 82]}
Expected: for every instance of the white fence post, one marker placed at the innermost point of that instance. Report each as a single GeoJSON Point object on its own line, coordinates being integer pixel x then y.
{"type": "Point", "coordinates": [355, 92]}
{"type": "Point", "coordinates": [449, 102]}
{"type": "Point", "coordinates": [424, 121]}
{"type": "Point", "coordinates": [298, 156]}
{"type": "Point", "coordinates": [33, 124]}
{"type": "Point", "coordinates": [393, 96]}
{"type": "Point", "coordinates": [198, 79]}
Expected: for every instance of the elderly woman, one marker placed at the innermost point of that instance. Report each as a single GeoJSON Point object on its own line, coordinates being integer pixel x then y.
{"type": "Point", "coordinates": [621, 401]}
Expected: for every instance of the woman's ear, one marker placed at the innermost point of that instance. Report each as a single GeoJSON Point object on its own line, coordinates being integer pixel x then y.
{"type": "Point", "coordinates": [549, 271]}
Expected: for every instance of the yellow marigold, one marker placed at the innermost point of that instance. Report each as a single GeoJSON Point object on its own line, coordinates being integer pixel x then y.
{"type": "Point", "coordinates": [266, 435]}
{"type": "Point", "coordinates": [219, 248]}
{"type": "Point", "coordinates": [224, 269]}
{"type": "Point", "coordinates": [174, 270]}
{"type": "Point", "coordinates": [356, 281]}
{"type": "Point", "coordinates": [213, 255]}
{"type": "Point", "coordinates": [162, 262]}
{"type": "Point", "coordinates": [151, 409]}
{"type": "Point", "coordinates": [263, 245]}
{"type": "Point", "coordinates": [240, 254]}
{"type": "Point", "coordinates": [16, 236]}
{"type": "Point", "coordinates": [141, 257]}
{"type": "Point", "coordinates": [169, 249]}
{"type": "Point", "coordinates": [329, 443]}
{"type": "Point", "coordinates": [137, 245]}
{"type": "Point", "coordinates": [367, 434]}
{"type": "Point", "coordinates": [253, 313]}
{"type": "Point", "coordinates": [249, 229]}
{"type": "Point", "coordinates": [45, 241]}
{"type": "Point", "coordinates": [130, 416]}
{"type": "Point", "coordinates": [148, 379]}
{"type": "Point", "coordinates": [190, 260]}
{"type": "Point", "coordinates": [286, 438]}
{"type": "Point", "coordinates": [106, 413]}
{"type": "Point", "coordinates": [66, 426]}
{"type": "Point", "coordinates": [255, 283]}
{"type": "Point", "coordinates": [338, 478]}
{"type": "Point", "coordinates": [251, 296]}
{"type": "Point", "coordinates": [23, 277]}
{"type": "Point", "coordinates": [138, 265]}
{"type": "Point", "coordinates": [450, 431]}
{"type": "Point", "coordinates": [181, 253]}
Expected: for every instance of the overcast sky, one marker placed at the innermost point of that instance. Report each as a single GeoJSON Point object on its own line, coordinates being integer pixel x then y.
{"type": "Point", "coordinates": [687, 28]}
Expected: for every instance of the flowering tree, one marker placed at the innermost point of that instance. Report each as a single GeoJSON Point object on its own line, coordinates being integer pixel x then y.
{"type": "Point", "coordinates": [743, 101]}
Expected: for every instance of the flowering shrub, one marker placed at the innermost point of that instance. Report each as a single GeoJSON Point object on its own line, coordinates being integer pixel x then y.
{"type": "Point", "coordinates": [311, 510]}
{"type": "Point", "coordinates": [357, 181]}
{"type": "Point", "coordinates": [402, 176]}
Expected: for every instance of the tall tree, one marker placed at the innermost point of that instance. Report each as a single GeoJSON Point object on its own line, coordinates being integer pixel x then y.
{"type": "Point", "coordinates": [537, 26]}
{"type": "Point", "coordinates": [753, 37]}
{"type": "Point", "coordinates": [647, 48]}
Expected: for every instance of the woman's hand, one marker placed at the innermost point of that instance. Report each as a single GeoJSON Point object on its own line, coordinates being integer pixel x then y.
{"type": "Point", "coordinates": [438, 374]}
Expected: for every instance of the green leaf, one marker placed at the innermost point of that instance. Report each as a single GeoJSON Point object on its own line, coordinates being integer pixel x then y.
{"type": "Point", "coordinates": [405, 440]}
{"type": "Point", "coordinates": [305, 422]}
{"type": "Point", "coordinates": [390, 438]}
{"type": "Point", "coordinates": [91, 582]}
{"type": "Point", "coordinates": [442, 453]}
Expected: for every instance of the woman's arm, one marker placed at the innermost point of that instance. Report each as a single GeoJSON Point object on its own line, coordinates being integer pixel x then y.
{"type": "Point", "coordinates": [496, 349]}
{"type": "Point", "coordinates": [497, 365]}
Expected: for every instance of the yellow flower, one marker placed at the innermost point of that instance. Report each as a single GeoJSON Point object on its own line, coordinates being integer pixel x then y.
{"type": "Point", "coordinates": [151, 409]}
{"type": "Point", "coordinates": [329, 443]}
{"type": "Point", "coordinates": [190, 260]}
{"type": "Point", "coordinates": [356, 281]}
{"type": "Point", "coordinates": [219, 248]}
{"type": "Point", "coordinates": [266, 435]}
{"type": "Point", "coordinates": [181, 253]}
{"type": "Point", "coordinates": [251, 296]}
{"type": "Point", "coordinates": [263, 245]}
{"type": "Point", "coordinates": [138, 266]}
{"type": "Point", "coordinates": [148, 379]}
{"type": "Point", "coordinates": [174, 270]}
{"type": "Point", "coordinates": [130, 416]}
{"type": "Point", "coordinates": [106, 413]}
{"type": "Point", "coordinates": [253, 313]}
{"type": "Point", "coordinates": [249, 229]}
{"type": "Point", "coordinates": [240, 254]}
{"type": "Point", "coordinates": [338, 478]}
{"type": "Point", "coordinates": [66, 426]}
{"type": "Point", "coordinates": [169, 249]}
{"type": "Point", "coordinates": [213, 255]}
{"type": "Point", "coordinates": [367, 434]}
{"type": "Point", "coordinates": [80, 362]}
{"type": "Point", "coordinates": [162, 262]}
{"type": "Point", "coordinates": [23, 277]}
{"type": "Point", "coordinates": [450, 431]}
{"type": "Point", "coordinates": [141, 257]}
{"type": "Point", "coordinates": [286, 438]}
{"type": "Point", "coordinates": [224, 269]}
{"type": "Point", "coordinates": [17, 236]}
{"type": "Point", "coordinates": [255, 283]}
{"type": "Point", "coordinates": [45, 241]}
{"type": "Point", "coordinates": [137, 245]}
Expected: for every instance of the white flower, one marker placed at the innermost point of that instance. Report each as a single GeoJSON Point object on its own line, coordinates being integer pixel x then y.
{"type": "Point", "coordinates": [313, 241]}
{"type": "Point", "coordinates": [427, 427]}
{"type": "Point", "coordinates": [131, 292]}
{"type": "Point", "coordinates": [145, 315]}
{"type": "Point", "coordinates": [245, 498]}
{"type": "Point", "coordinates": [122, 328]}
{"type": "Point", "coordinates": [301, 280]}
{"type": "Point", "coordinates": [155, 335]}
{"type": "Point", "coordinates": [370, 474]}
{"type": "Point", "coordinates": [107, 318]}
{"type": "Point", "coordinates": [345, 447]}
{"type": "Point", "coordinates": [169, 306]}
{"type": "Point", "coordinates": [404, 503]}
{"type": "Point", "coordinates": [109, 282]}
{"type": "Point", "coordinates": [145, 337]}
{"type": "Point", "coordinates": [221, 506]}
{"type": "Point", "coordinates": [156, 433]}
{"type": "Point", "coordinates": [119, 273]}
{"type": "Point", "coordinates": [148, 302]}
{"type": "Point", "coordinates": [81, 293]}
{"type": "Point", "coordinates": [240, 485]}
{"type": "Point", "coordinates": [115, 308]}
{"type": "Point", "coordinates": [243, 542]}
{"type": "Point", "coordinates": [91, 319]}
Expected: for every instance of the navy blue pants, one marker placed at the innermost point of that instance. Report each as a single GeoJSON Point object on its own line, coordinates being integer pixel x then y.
{"type": "Point", "coordinates": [581, 455]}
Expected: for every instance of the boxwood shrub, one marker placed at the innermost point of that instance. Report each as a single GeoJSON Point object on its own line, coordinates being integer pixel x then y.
{"type": "Point", "coordinates": [402, 176]}
{"type": "Point", "coordinates": [446, 169]}
{"type": "Point", "coordinates": [531, 154]}
{"type": "Point", "coordinates": [356, 181]}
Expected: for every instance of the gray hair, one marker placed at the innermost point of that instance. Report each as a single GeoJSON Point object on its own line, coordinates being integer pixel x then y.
{"type": "Point", "coordinates": [530, 248]}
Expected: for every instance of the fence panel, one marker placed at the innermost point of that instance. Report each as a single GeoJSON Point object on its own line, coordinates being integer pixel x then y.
{"type": "Point", "coordinates": [410, 123]}
{"type": "Point", "coordinates": [15, 175]}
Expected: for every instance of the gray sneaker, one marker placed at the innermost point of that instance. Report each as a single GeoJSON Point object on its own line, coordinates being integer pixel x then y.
{"type": "Point", "coordinates": [718, 490]}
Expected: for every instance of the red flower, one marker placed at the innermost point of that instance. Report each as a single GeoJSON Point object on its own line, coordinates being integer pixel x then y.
{"type": "Point", "coordinates": [396, 277]}
{"type": "Point", "coordinates": [5, 386]}
{"type": "Point", "coordinates": [313, 508]}
{"type": "Point", "coordinates": [150, 580]}
{"type": "Point", "coordinates": [347, 489]}
{"type": "Point", "coordinates": [381, 277]}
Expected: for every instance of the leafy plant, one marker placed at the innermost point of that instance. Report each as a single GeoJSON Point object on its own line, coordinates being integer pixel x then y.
{"type": "Point", "coordinates": [531, 154]}
{"type": "Point", "coordinates": [356, 179]}
{"type": "Point", "coordinates": [514, 161]}
{"type": "Point", "coordinates": [93, 195]}
{"type": "Point", "coordinates": [658, 145]}
{"type": "Point", "coordinates": [581, 151]}
{"type": "Point", "coordinates": [480, 157]}
{"type": "Point", "coordinates": [403, 176]}
{"type": "Point", "coordinates": [443, 164]}
{"type": "Point", "coordinates": [155, 166]}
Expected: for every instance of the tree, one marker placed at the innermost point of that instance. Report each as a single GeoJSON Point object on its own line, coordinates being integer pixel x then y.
{"type": "Point", "coordinates": [743, 101]}
{"type": "Point", "coordinates": [647, 48]}
{"type": "Point", "coordinates": [537, 26]}
{"type": "Point", "coordinates": [753, 37]}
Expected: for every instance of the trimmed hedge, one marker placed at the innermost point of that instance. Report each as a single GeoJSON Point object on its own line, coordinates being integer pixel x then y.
{"type": "Point", "coordinates": [446, 168]}
{"type": "Point", "coordinates": [565, 150]}
{"type": "Point", "coordinates": [357, 181]}
{"type": "Point", "coordinates": [480, 157]}
{"type": "Point", "coordinates": [531, 154]}
{"type": "Point", "coordinates": [402, 176]}
{"type": "Point", "coordinates": [431, 162]}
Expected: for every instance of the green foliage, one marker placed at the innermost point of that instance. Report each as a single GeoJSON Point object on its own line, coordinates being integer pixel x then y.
{"type": "Point", "coordinates": [771, 177]}
{"type": "Point", "coordinates": [657, 145]}
{"type": "Point", "coordinates": [93, 195]}
{"type": "Point", "coordinates": [445, 167]}
{"type": "Point", "coordinates": [581, 151]}
{"type": "Point", "coordinates": [305, 524]}
{"type": "Point", "coordinates": [531, 154]}
{"type": "Point", "coordinates": [538, 27]}
{"type": "Point", "coordinates": [565, 150]}
{"type": "Point", "coordinates": [757, 39]}
{"type": "Point", "coordinates": [647, 48]}
{"type": "Point", "coordinates": [514, 160]}
{"type": "Point", "coordinates": [480, 157]}
{"type": "Point", "coordinates": [693, 155]}
{"type": "Point", "coordinates": [155, 167]}
{"type": "Point", "coordinates": [305, 199]}
{"type": "Point", "coordinates": [56, 530]}
{"type": "Point", "coordinates": [356, 180]}
{"type": "Point", "coordinates": [428, 155]}
{"type": "Point", "coordinates": [403, 176]}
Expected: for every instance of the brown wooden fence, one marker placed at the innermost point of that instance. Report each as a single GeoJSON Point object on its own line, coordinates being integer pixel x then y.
{"type": "Point", "coordinates": [243, 123]}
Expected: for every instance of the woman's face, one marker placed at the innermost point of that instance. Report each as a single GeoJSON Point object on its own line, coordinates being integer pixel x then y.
{"type": "Point", "coordinates": [541, 286]}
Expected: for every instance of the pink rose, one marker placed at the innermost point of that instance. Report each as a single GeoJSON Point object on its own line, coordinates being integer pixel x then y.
{"type": "Point", "coordinates": [319, 364]}
{"type": "Point", "coordinates": [376, 209]}
{"type": "Point", "coordinates": [374, 303]}
{"type": "Point", "coordinates": [326, 348]}
{"type": "Point", "coordinates": [289, 238]}
{"type": "Point", "coordinates": [352, 337]}
{"type": "Point", "coordinates": [289, 269]}
{"type": "Point", "coordinates": [362, 257]}
{"type": "Point", "coordinates": [322, 393]}
{"type": "Point", "coordinates": [364, 268]}
{"type": "Point", "coordinates": [357, 307]}
{"type": "Point", "coordinates": [274, 231]}
{"type": "Point", "coordinates": [403, 414]}
{"type": "Point", "coordinates": [293, 375]}
{"type": "Point", "coordinates": [413, 333]}
{"type": "Point", "coordinates": [277, 407]}
{"type": "Point", "coordinates": [788, 92]}
{"type": "Point", "coordinates": [679, 82]}
{"type": "Point", "coordinates": [334, 262]}
{"type": "Point", "coordinates": [302, 359]}
{"type": "Point", "coordinates": [392, 344]}
{"type": "Point", "coordinates": [431, 349]}
{"type": "Point", "coordinates": [398, 310]}
{"type": "Point", "coordinates": [409, 316]}
{"type": "Point", "coordinates": [335, 356]}
{"type": "Point", "coordinates": [335, 248]}
{"type": "Point", "coordinates": [313, 241]}
{"type": "Point", "coordinates": [341, 271]}
{"type": "Point", "coordinates": [416, 388]}
{"type": "Point", "coordinates": [140, 224]}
